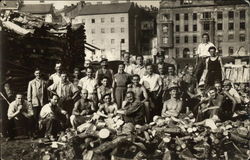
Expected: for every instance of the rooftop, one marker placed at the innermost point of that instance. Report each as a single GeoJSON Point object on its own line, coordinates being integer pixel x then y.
{"type": "Point", "coordinates": [9, 4]}
{"type": "Point", "coordinates": [105, 8]}
{"type": "Point", "coordinates": [37, 8]}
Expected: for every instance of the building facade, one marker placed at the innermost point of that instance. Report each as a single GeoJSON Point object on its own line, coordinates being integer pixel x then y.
{"type": "Point", "coordinates": [114, 28]}
{"type": "Point", "coordinates": [181, 23]}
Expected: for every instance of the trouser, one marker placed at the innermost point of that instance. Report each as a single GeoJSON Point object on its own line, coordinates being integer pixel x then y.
{"type": "Point", "coordinates": [156, 103]}
{"type": "Point", "coordinates": [78, 120]}
{"type": "Point", "coordinates": [53, 125]}
{"type": "Point", "coordinates": [5, 125]}
{"type": "Point", "coordinates": [36, 111]}
{"type": "Point", "coordinates": [200, 68]}
{"type": "Point", "coordinates": [21, 122]}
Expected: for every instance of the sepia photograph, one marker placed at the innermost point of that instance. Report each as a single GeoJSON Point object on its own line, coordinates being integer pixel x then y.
{"type": "Point", "coordinates": [125, 79]}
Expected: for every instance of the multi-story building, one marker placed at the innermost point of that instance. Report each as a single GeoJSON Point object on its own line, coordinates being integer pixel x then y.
{"type": "Point", "coordinates": [114, 28]}
{"type": "Point", "coordinates": [182, 22]}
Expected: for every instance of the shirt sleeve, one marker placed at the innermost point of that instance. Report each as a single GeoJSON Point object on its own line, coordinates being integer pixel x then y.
{"type": "Point", "coordinates": [29, 92]}
{"type": "Point", "coordinates": [52, 87]}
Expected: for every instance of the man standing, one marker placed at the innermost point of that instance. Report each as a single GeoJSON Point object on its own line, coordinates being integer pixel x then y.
{"type": "Point", "coordinates": [104, 71]}
{"type": "Point", "coordinates": [66, 92]}
{"type": "Point", "coordinates": [37, 95]}
{"type": "Point", "coordinates": [139, 68]}
{"type": "Point", "coordinates": [90, 84]}
{"type": "Point", "coordinates": [140, 93]}
{"type": "Point", "coordinates": [161, 60]}
{"type": "Point", "coordinates": [52, 119]}
{"type": "Point", "coordinates": [153, 83]}
{"type": "Point", "coordinates": [55, 78]}
{"type": "Point", "coordinates": [82, 110]}
{"type": "Point", "coordinates": [20, 114]}
{"type": "Point", "coordinates": [128, 66]}
{"type": "Point", "coordinates": [202, 55]}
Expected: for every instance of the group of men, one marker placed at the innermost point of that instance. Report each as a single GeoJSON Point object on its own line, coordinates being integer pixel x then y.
{"type": "Point", "coordinates": [137, 92]}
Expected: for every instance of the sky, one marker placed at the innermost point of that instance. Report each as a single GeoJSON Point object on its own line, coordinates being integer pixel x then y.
{"type": "Point", "coordinates": [60, 4]}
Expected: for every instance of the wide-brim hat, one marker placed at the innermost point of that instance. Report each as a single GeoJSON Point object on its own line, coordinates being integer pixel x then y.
{"type": "Point", "coordinates": [104, 59]}
{"type": "Point", "coordinates": [173, 86]}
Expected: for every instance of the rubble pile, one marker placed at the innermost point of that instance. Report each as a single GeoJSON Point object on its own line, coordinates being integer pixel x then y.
{"type": "Point", "coordinates": [164, 138]}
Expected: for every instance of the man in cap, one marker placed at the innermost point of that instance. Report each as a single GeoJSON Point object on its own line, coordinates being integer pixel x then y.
{"type": "Point", "coordinates": [104, 71]}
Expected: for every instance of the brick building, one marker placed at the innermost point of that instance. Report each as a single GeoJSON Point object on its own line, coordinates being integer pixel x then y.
{"type": "Point", "coordinates": [180, 24]}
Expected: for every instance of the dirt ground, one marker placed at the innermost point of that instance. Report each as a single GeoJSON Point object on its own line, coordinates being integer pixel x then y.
{"type": "Point", "coordinates": [19, 149]}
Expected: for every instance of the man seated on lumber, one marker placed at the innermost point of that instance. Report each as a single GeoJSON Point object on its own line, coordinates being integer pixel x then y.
{"type": "Point", "coordinates": [132, 110]}
{"type": "Point", "coordinates": [212, 108]}
{"type": "Point", "coordinates": [20, 115]}
{"type": "Point", "coordinates": [52, 118]}
{"type": "Point", "coordinates": [82, 111]}
{"type": "Point", "coordinates": [173, 106]}
{"type": "Point", "coordinates": [108, 108]}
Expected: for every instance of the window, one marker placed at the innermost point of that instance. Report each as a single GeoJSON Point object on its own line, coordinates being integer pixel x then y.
{"type": "Point", "coordinates": [177, 52]}
{"type": "Point", "coordinates": [195, 27]}
{"type": "Point", "coordinates": [177, 28]}
{"type": "Point", "coordinates": [242, 14]}
{"type": "Point", "coordinates": [122, 19]}
{"type": "Point", "coordinates": [102, 20]}
{"type": "Point", "coordinates": [242, 26]}
{"type": "Point", "coordinates": [219, 26]}
{"type": "Point", "coordinates": [231, 50]}
{"type": "Point", "coordinates": [220, 51]}
{"type": "Point", "coordinates": [186, 16]}
{"type": "Point", "coordinates": [102, 30]}
{"type": "Point", "coordinates": [165, 40]}
{"type": "Point", "coordinates": [231, 26]}
{"type": "Point", "coordinates": [231, 14]}
{"type": "Point", "coordinates": [206, 26]}
{"type": "Point", "coordinates": [112, 19]}
{"type": "Point", "coordinates": [242, 37]}
{"type": "Point", "coordinates": [122, 40]}
{"type": "Point", "coordinates": [112, 41]}
{"type": "Point", "coordinates": [112, 30]}
{"type": "Point", "coordinates": [93, 31]}
{"type": "Point", "coordinates": [194, 16]}
{"type": "Point", "coordinates": [230, 37]}
{"type": "Point", "coordinates": [194, 39]}
{"type": "Point", "coordinates": [177, 17]}
{"type": "Point", "coordinates": [177, 39]}
{"type": "Point", "coordinates": [186, 39]}
{"type": "Point", "coordinates": [206, 15]}
{"type": "Point", "coordinates": [219, 15]}
{"type": "Point", "coordinates": [92, 20]}
{"type": "Point", "coordinates": [122, 30]}
{"type": "Point", "coordinates": [186, 28]}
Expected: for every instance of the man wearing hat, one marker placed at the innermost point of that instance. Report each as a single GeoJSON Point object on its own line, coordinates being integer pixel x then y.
{"type": "Point", "coordinates": [104, 71]}
{"type": "Point", "coordinates": [173, 106]}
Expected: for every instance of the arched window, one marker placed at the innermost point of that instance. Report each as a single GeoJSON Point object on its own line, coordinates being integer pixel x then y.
{"type": "Point", "coordinates": [186, 53]}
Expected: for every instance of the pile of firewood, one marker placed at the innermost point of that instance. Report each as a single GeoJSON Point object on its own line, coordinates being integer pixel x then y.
{"type": "Point", "coordinates": [166, 139]}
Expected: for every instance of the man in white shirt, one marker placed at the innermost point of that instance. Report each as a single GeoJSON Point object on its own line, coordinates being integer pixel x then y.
{"type": "Point", "coordinates": [128, 66]}
{"type": "Point", "coordinates": [90, 84]}
{"type": "Point", "coordinates": [56, 77]}
{"type": "Point", "coordinates": [139, 67]}
{"type": "Point", "coordinates": [228, 87]}
{"type": "Point", "coordinates": [20, 113]}
{"type": "Point", "coordinates": [51, 118]}
{"type": "Point", "coordinates": [153, 84]}
{"type": "Point", "coordinates": [202, 55]}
